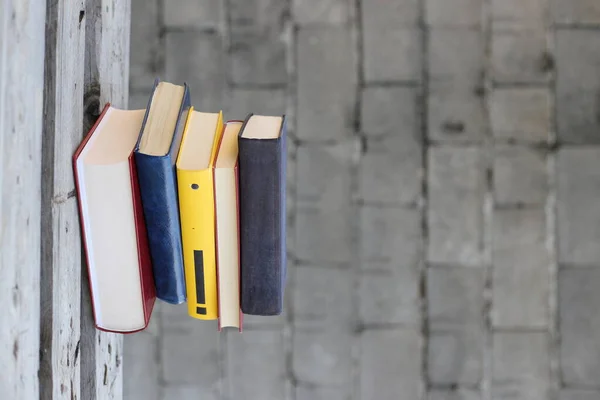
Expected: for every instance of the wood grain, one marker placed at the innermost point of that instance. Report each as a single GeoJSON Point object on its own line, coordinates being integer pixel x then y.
{"type": "Point", "coordinates": [61, 249]}
{"type": "Point", "coordinates": [106, 79]}
{"type": "Point", "coordinates": [21, 93]}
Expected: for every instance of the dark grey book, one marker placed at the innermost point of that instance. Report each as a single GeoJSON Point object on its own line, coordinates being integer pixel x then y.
{"type": "Point", "coordinates": [262, 187]}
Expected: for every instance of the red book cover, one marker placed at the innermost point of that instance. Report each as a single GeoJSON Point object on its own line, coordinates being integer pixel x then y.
{"type": "Point", "coordinates": [148, 294]}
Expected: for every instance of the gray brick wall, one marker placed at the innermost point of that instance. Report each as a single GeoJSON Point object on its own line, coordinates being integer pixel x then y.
{"type": "Point", "coordinates": [443, 193]}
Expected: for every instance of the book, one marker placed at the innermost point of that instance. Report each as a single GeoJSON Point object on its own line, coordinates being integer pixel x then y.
{"type": "Point", "coordinates": [155, 154]}
{"type": "Point", "coordinates": [195, 165]}
{"type": "Point", "coordinates": [262, 186]}
{"type": "Point", "coordinates": [112, 223]}
{"type": "Point", "coordinates": [227, 228]}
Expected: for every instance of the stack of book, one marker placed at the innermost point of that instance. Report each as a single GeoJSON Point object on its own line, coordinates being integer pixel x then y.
{"type": "Point", "coordinates": [175, 204]}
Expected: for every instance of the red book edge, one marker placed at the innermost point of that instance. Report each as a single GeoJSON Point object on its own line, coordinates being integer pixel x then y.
{"type": "Point", "coordinates": [147, 285]}
{"type": "Point", "coordinates": [142, 239]}
{"type": "Point", "coordinates": [235, 171]}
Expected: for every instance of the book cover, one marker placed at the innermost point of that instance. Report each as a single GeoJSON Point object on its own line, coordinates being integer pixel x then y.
{"type": "Point", "coordinates": [262, 188]}
{"type": "Point", "coordinates": [197, 207]}
{"type": "Point", "coordinates": [158, 184]}
{"type": "Point", "coordinates": [227, 228]}
{"type": "Point", "coordinates": [113, 228]}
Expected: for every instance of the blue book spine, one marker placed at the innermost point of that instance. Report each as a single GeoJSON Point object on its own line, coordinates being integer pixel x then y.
{"type": "Point", "coordinates": [262, 187]}
{"type": "Point", "coordinates": [158, 186]}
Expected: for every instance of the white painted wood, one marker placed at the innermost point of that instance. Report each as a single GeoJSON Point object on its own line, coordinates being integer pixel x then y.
{"type": "Point", "coordinates": [61, 244]}
{"type": "Point", "coordinates": [21, 91]}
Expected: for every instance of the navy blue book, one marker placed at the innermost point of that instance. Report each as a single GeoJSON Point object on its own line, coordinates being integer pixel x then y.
{"type": "Point", "coordinates": [155, 155]}
{"type": "Point", "coordinates": [262, 185]}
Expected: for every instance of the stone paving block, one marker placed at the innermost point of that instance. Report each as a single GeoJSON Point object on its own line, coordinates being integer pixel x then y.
{"type": "Point", "coordinates": [456, 57]}
{"type": "Point", "coordinates": [577, 86]}
{"type": "Point", "coordinates": [138, 99]}
{"type": "Point", "coordinates": [579, 394]}
{"type": "Point", "coordinates": [146, 51]}
{"type": "Point", "coordinates": [522, 114]}
{"type": "Point", "coordinates": [388, 111]}
{"type": "Point", "coordinates": [274, 322]}
{"type": "Point", "coordinates": [326, 79]}
{"type": "Point", "coordinates": [455, 356]}
{"type": "Point", "coordinates": [458, 394]}
{"type": "Point", "coordinates": [322, 357]}
{"type": "Point", "coordinates": [521, 366]}
{"type": "Point", "coordinates": [192, 358]}
{"type": "Point", "coordinates": [390, 364]}
{"type": "Point", "coordinates": [324, 235]}
{"type": "Point", "coordinates": [197, 58]}
{"type": "Point", "coordinates": [334, 12]}
{"type": "Point", "coordinates": [392, 54]}
{"type": "Point", "coordinates": [188, 392]}
{"type": "Point", "coordinates": [520, 56]}
{"type": "Point", "coordinates": [324, 173]}
{"type": "Point", "coordinates": [454, 296]}
{"type": "Point", "coordinates": [456, 115]}
{"type": "Point", "coordinates": [455, 206]}
{"type": "Point", "coordinates": [454, 13]}
{"type": "Point", "coordinates": [576, 11]}
{"type": "Point", "coordinates": [517, 14]}
{"type": "Point", "coordinates": [390, 298]}
{"type": "Point", "coordinates": [390, 170]}
{"type": "Point", "coordinates": [141, 369]}
{"type": "Point", "coordinates": [579, 326]}
{"type": "Point", "coordinates": [257, 51]}
{"type": "Point", "coordinates": [519, 176]}
{"type": "Point", "coordinates": [378, 14]}
{"type": "Point", "coordinates": [174, 319]}
{"type": "Point", "coordinates": [310, 392]}
{"type": "Point", "coordinates": [255, 365]}
{"type": "Point", "coordinates": [322, 296]}
{"type": "Point", "coordinates": [257, 58]}
{"type": "Point", "coordinates": [324, 213]}
{"type": "Point", "coordinates": [389, 237]}
{"type": "Point", "coordinates": [242, 102]}
{"type": "Point", "coordinates": [191, 14]}
{"type": "Point", "coordinates": [521, 272]}
{"type": "Point", "coordinates": [578, 211]}
{"type": "Point", "coordinates": [256, 13]}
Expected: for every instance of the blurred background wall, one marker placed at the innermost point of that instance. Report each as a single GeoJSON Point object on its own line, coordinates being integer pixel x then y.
{"type": "Point", "coordinates": [444, 184]}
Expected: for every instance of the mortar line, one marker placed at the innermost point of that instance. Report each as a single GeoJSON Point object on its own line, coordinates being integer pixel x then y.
{"type": "Point", "coordinates": [424, 203]}
{"type": "Point", "coordinates": [357, 32]}
{"type": "Point", "coordinates": [487, 153]}
{"type": "Point", "coordinates": [291, 113]}
{"type": "Point", "coordinates": [551, 232]}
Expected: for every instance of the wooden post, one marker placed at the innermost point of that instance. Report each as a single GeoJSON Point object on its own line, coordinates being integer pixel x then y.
{"type": "Point", "coordinates": [61, 253]}
{"type": "Point", "coordinates": [21, 91]}
{"type": "Point", "coordinates": [106, 80]}
{"type": "Point", "coordinates": [54, 78]}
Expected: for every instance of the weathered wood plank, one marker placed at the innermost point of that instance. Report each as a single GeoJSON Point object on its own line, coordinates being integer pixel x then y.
{"type": "Point", "coordinates": [21, 91]}
{"type": "Point", "coordinates": [106, 80]}
{"type": "Point", "coordinates": [61, 250]}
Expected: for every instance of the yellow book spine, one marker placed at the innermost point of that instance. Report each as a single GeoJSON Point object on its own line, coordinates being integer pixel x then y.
{"type": "Point", "coordinates": [197, 212]}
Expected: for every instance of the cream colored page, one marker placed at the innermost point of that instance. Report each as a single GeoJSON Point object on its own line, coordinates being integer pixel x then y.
{"type": "Point", "coordinates": [113, 238]}
{"type": "Point", "coordinates": [262, 127]}
{"type": "Point", "coordinates": [227, 247]}
{"type": "Point", "coordinates": [228, 150]}
{"type": "Point", "coordinates": [115, 137]}
{"type": "Point", "coordinates": [197, 144]}
{"type": "Point", "coordinates": [162, 119]}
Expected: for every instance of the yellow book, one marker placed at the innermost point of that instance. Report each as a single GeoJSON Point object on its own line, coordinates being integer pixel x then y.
{"type": "Point", "coordinates": [195, 165]}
